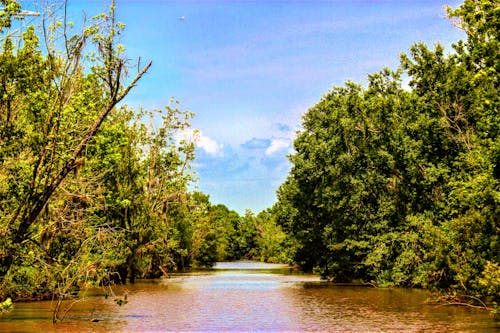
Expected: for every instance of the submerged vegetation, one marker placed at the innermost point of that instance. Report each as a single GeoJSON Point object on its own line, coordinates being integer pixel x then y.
{"type": "Point", "coordinates": [390, 185]}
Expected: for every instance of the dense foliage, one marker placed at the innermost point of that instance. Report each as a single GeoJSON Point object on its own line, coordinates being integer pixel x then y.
{"type": "Point", "coordinates": [390, 184]}
{"type": "Point", "coordinates": [397, 185]}
{"type": "Point", "coordinates": [93, 193]}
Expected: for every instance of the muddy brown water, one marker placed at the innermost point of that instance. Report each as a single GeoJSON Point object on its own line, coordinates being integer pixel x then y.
{"type": "Point", "coordinates": [249, 297]}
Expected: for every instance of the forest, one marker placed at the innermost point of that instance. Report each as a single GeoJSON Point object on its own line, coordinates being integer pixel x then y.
{"type": "Point", "coordinates": [93, 192]}
{"type": "Point", "coordinates": [397, 183]}
{"type": "Point", "coordinates": [392, 184]}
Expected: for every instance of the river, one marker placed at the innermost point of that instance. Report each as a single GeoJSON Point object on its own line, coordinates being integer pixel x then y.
{"type": "Point", "coordinates": [249, 296]}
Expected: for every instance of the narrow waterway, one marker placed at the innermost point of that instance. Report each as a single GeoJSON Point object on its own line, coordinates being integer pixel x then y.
{"type": "Point", "coordinates": [249, 296]}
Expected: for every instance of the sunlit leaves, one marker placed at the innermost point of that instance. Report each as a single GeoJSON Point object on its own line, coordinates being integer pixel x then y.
{"type": "Point", "coordinates": [400, 186]}
{"type": "Point", "coordinates": [9, 9]}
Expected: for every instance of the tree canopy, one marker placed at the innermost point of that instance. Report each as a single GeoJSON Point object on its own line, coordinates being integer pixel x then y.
{"type": "Point", "coordinates": [392, 184]}
{"type": "Point", "coordinates": [399, 185]}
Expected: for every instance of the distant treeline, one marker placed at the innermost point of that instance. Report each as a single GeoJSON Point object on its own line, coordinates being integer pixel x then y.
{"type": "Point", "coordinates": [92, 193]}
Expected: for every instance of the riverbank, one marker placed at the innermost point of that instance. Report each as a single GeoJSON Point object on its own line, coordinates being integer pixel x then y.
{"type": "Point", "coordinates": [248, 297]}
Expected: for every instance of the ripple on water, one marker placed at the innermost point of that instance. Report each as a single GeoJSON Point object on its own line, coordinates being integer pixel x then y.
{"type": "Point", "coordinates": [251, 297]}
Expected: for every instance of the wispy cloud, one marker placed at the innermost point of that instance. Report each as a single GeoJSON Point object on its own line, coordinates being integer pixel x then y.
{"type": "Point", "coordinates": [207, 144]}
{"type": "Point", "coordinates": [256, 143]}
{"type": "Point", "coordinates": [250, 73]}
{"type": "Point", "coordinates": [258, 164]}
{"type": "Point", "coordinates": [277, 145]}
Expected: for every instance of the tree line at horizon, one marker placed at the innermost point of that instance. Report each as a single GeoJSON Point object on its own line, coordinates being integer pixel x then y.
{"type": "Point", "coordinates": [390, 185]}
{"type": "Point", "coordinates": [93, 192]}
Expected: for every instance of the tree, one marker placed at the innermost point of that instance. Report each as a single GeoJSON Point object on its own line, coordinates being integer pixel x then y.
{"type": "Point", "coordinates": [395, 186]}
{"type": "Point", "coordinates": [272, 243]}
{"type": "Point", "coordinates": [225, 223]}
{"type": "Point", "coordinates": [52, 105]}
{"type": "Point", "coordinates": [10, 9]}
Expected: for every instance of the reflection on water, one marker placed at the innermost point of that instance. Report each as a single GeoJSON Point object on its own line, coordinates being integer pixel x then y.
{"type": "Point", "coordinates": [248, 296]}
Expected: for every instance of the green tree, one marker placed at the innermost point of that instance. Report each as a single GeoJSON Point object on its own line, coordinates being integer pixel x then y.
{"type": "Point", "coordinates": [396, 186]}
{"type": "Point", "coordinates": [52, 104]}
{"type": "Point", "coordinates": [10, 9]}
{"type": "Point", "coordinates": [225, 223]}
{"type": "Point", "coordinates": [273, 244]}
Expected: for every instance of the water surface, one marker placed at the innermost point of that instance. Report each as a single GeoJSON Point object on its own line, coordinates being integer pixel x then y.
{"type": "Point", "coordinates": [249, 296]}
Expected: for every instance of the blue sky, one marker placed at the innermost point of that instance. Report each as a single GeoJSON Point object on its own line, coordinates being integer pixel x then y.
{"type": "Point", "coordinates": [250, 69]}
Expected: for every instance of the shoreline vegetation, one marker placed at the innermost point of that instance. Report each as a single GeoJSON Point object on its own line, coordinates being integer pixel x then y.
{"type": "Point", "coordinates": [397, 183]}
{"type": "Point", "coordinates": [390, 186]}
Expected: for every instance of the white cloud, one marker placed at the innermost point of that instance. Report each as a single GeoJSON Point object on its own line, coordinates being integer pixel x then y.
{"type": "Point", "coordinates": [277, 144]}
{"type": "Point", "coordinates": [209, 145]}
